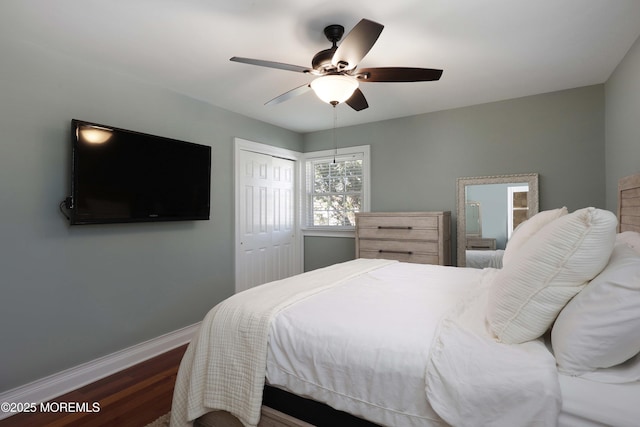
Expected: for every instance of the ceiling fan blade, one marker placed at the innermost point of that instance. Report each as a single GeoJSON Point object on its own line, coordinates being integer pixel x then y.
{"type": "Point", "coordinates": [357, 101]}
{"type": "Point", "coordinates": [272, 64]}
{"type": "Point", "coordinates": [291, 94]}
{"type": "Point", "coordinates": [356, 44]}
{"type": "Point", "coordinates": [397, 74]}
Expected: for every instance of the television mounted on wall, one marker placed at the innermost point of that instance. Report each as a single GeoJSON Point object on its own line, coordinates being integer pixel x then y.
{"type": "Point", "coordinates": [121, 176]}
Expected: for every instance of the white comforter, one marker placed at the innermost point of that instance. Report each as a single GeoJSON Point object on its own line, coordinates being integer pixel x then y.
{"type": "Point", "coordinates": [463, 374]}
{"type": "Point", "coordinates": [224, 365]}
{"type": "Point", "coordinates": [363, 347]}
{"type": "Point", "coordinates": [473, 380]}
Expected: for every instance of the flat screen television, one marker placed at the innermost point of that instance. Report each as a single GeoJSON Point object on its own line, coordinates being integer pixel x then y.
{"type": "Point", "coordinates": [125, 176]}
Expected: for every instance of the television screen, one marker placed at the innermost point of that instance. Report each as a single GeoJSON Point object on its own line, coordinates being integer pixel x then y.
{"type": "Point", "coordinates": [125, 176]}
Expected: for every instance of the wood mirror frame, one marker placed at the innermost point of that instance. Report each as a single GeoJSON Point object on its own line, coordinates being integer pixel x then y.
{"type": "Point", "coordinates": [532, 201]}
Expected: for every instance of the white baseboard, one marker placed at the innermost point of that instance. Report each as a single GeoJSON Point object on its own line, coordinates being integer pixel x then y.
{"type": "Point", "coordinates": [55, 385]}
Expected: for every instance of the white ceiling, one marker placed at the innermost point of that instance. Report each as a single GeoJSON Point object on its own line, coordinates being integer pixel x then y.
{"type": "Point", "coordinates": [489, 49]}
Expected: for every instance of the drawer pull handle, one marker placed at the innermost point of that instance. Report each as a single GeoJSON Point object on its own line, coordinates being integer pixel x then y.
{"type": "Point", "coordinates": [392, 227]}
{"type": "Point", "coordinates": [380, 251]}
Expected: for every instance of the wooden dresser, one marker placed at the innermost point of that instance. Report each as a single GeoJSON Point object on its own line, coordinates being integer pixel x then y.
{"type": "Point", "coordinates": [420, 237]}
{"type": "Point", "coordinates": [481, 243]}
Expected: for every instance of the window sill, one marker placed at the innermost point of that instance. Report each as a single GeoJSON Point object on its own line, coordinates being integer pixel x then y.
{"type": "Point", "coordinates": [328, 232]}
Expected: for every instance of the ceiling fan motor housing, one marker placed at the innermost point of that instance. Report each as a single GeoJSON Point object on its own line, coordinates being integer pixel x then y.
{"type": "Point", "coordinates": [322, 60]}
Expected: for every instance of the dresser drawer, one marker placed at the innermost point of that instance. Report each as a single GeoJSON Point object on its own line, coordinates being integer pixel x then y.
{"type": "Point", "coordinates": [415, 222]}
{"type": "Point", "coordinates": [480, 243]}
{"type": "Point", "coordinates": [420, 246]}
{"type": "Point", "coordinates": [402, 257]}
{"type": "Point", "coordinates": [399, 233]}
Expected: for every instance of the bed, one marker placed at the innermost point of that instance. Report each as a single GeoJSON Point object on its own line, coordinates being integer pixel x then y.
{"type": "Point", "coordinates": [377, 342]}
{"type": "Point", "coordinates": [481, 258]}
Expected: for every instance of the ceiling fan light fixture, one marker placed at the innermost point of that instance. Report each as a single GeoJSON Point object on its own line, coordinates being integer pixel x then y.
{"type": "Point", "coordinates": [334, 89]}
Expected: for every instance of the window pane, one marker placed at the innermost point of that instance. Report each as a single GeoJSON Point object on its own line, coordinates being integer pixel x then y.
{"type": "Point", "coordinates": [321, 186]}
{"type": "Point", "coordinates": [321, 168]}
{"type": "Point", "coordinates": [320, 218]}
{"type": "Point", "coordinates": [354, 203]}
{"type": "Point", "coordinates": [337, 185]}
{"type": "Point", "coordinates": [353, 184]}
{"type": "Point", "coordinates": [353, 176]}
{"type": "Point", "coordinates": [335, 191]}
{"type": "Point", "coordinates": [351, 216]}
{"type": "Point", "coordinates": [353, 166]}
{"type": "Point", "coordinates": [340, 214]}
{"type": "Point", "coordinates": [321, 203]}
{"type": "Point", "coordinates": [320, 171]}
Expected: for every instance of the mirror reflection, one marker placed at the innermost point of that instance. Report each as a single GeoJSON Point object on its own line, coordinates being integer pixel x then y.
{"type": "Point", "coordinates": [489, 209]}
{"type": "Point", "coordinates": [474, 220]}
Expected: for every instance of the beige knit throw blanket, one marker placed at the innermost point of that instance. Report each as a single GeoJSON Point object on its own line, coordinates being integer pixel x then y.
{"type": "Point", "coordinates": [225, 364]}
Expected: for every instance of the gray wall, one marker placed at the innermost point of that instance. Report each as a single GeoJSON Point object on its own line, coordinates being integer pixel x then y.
{"type": "Point", "coordinates": [341, 249]}
{"type": "Point", "coordinates": [416, 160]}
{"type": "Point", "coordinates": [623, 123]}
{"type": "Point", "coordinates": [72, 294]}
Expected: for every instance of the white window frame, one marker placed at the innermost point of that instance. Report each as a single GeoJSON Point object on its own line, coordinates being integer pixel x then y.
{"type": "Point", "coordinates": [334, 231]}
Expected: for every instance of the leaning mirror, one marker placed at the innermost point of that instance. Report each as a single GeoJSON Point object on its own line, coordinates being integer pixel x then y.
{"type": "Point", "coordinates": [489, 209]}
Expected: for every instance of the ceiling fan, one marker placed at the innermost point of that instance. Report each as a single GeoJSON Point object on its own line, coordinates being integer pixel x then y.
{"type": "Point", "coordinates": [336, 68]}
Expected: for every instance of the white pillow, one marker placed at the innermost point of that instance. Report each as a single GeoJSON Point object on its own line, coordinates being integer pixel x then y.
{"type": "Point", "coordinates": [528, 228]}
{"type": "Point", "coordinates": [600, 327]}
{"type": "Point", "coordinates": [528, 293]}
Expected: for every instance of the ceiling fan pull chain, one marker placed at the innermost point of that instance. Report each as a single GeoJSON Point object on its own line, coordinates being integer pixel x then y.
{"type": "Point", "coordinates": [335, 139]}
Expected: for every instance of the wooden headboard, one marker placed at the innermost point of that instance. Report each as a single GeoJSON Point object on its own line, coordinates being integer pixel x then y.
{"type": "Point", "coordinates": [629, 203]}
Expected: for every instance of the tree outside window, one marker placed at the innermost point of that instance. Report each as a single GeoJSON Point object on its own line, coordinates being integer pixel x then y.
{"type": "Point", "coordinates": [336, 190]}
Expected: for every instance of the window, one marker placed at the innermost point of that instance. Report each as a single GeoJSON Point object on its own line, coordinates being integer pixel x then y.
{"type": "Point", "coordinates": [517, 208]}
{"type": "Point", "coordinates": [337, 186]}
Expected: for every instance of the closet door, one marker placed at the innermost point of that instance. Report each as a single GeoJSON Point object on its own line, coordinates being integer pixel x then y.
{"type": "Point", "coordinates": [283, 232]}
{"type": "Point", "coordinates": [266, 250]}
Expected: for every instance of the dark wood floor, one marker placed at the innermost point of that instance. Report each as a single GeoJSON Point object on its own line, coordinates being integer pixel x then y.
{"type": "Point", "coordinates": [131, 398]}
